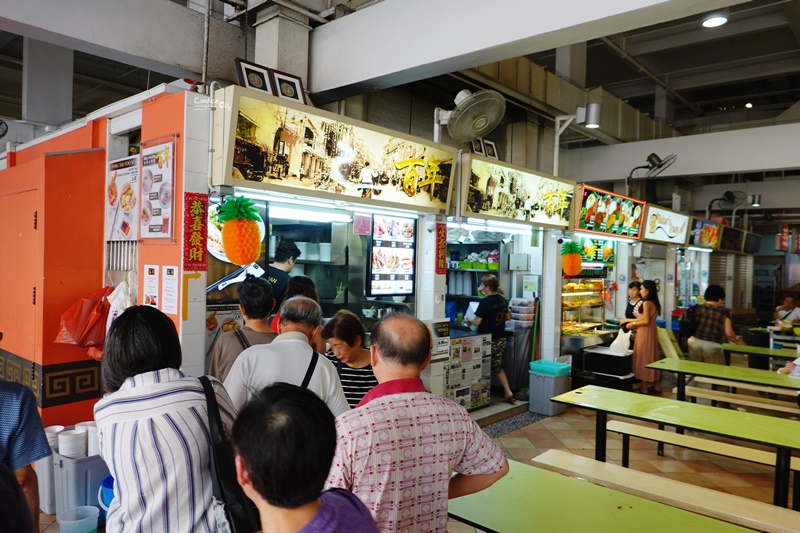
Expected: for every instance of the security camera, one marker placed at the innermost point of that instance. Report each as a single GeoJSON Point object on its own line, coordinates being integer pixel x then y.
{"type": "Point", "coordinates": [431, 227]}
{"type": "Point", "coordinates": [560, 240]}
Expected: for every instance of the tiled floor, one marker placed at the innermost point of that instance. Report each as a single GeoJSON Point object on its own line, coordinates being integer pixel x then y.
{"type": "Point", "coordinates": [573, 431]}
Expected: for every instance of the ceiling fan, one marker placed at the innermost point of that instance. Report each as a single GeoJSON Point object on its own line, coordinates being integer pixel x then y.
{"type": "Point", "coordinates": [475, 115]}
{"type": "Point", "coordinates": [3, 128]}
{"type": "Point", "coordinates": [655, 166]}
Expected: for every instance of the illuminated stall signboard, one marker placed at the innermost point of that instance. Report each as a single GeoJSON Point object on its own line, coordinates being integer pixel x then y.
{"type": "Point", "coordinates": [732, 240]}
{"type": "Point", "coordinates": [704, 234]}
{"type": "Point", "coordinates": [503, 192]}
{"type": "Point", "coordinates": [605, 212]}
{"type": "Point", "coordinates": [663, 225]}
{"type": "Point", "coordinates": [752, 243]}
{"type": "Point", "coordinates": [593, 249]}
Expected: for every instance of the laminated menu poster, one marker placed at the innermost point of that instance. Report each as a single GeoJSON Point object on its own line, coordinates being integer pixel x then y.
{"type": "Point", "coordinates": [122, 200]}
{"type": "Point", "coordinates": [598, 250]}
{"type": "Point", "coordinates": [158, 171]}
{"type": "Point", "coordinates": [392, 265]}
{"type": "Point", "coordinates": [605, 212]}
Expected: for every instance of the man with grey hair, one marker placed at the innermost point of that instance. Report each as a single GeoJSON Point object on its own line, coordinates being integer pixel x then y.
{"type": "Point", "coordinates": [290, 358]}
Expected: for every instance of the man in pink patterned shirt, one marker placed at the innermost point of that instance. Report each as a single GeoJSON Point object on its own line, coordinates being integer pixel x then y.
{"type": "Point", "coordinates": [398, 449]}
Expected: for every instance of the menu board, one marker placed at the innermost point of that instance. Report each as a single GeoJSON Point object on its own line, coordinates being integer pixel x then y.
{"type": "Point", "coordinates": [752, 243]}
{"type": "Point", "coordinates": [704, 233]}
{"type": "Point", "coordinates": [122, 193]}
{"type": "Point", "coordinates": [605, 212]}
{"type": "Point", "coordinates": [663, 225]}
{"type": "Point", "coordinates": [732, 239]}
{"type": "Point", "coordinates": [392, 265]}
{"type": "Point", "coordinates": [157, 187]}
{"type": "Point", "coordinates": [598, 250]}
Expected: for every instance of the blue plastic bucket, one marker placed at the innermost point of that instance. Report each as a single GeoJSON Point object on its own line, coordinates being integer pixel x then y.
{"type": "Point", "coordinates": [106, 494]}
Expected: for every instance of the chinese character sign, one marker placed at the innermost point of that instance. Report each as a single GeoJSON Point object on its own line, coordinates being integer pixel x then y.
{"type": "Point", "coordinates": [195, 231]}
{"type": "Point", "coordinates": [293, 148]}
{"type": "Point", "coordinates": [441, 248]}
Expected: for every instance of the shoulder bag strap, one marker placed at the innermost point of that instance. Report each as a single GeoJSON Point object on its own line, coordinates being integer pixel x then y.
{"type": "Point", "coordinates": [214, 420]}
{"type": "Point", "coordinates": [242, 339]}
{"type": "Point", "coordinates": [310, 371]}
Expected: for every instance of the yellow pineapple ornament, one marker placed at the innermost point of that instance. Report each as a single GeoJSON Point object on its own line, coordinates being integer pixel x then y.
{"type": "Point", "coordinates": [241, 236]}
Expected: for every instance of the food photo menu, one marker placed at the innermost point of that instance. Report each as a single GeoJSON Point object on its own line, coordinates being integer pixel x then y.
{"type": "Point", "coordinates": [392, 265]}
{"type": "Point", "coordinates": [157, 187]}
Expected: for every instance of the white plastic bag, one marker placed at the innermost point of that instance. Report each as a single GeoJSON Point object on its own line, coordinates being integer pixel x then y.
{"type": "Point", "coordinates": [622, 343]}
{"type": "Point", "coordinates": [120, 300]}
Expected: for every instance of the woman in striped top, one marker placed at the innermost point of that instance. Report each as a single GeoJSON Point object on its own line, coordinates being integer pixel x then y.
{"type": "Point", "coordinates": [345, 333]}
{"type": "Point", "coordinates": [153, 429]}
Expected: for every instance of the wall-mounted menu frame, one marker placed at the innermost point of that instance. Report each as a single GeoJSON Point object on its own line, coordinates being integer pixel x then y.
{"type": "Point", "coordinates": [608, 213]}
{"type": "Point", "coordinates": [704, 234]}
{"type": "Point", "coordinates": [752, 243]}
{"type": "Point", "coordinates": [269, 144]}
{"type": "Point", "coordinates": [665, 225]}
{"type": "Point", "coordinates": [508, 193]}
{"type": "Point", "coordinates": [392, 263]}
{"type": "Point", "coordinates": [732, 240]}
{"type": "Point", "coordinates": [598, 249]}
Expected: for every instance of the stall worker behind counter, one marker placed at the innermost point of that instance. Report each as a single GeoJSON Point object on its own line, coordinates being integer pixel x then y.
{"type": "Point", "coordinates": [286, 254]}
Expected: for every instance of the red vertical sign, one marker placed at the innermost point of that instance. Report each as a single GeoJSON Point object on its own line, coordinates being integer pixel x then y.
{"type": "Point", "coordinates": [441, 248]}
{"type": "Point", "coordinates": [783, 240]}
{"type": "Point", "coordinates": [195, 232]}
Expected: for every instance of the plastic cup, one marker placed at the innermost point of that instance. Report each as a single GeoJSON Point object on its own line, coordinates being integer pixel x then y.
{"type": "Point", "coordinates": [79, 520]}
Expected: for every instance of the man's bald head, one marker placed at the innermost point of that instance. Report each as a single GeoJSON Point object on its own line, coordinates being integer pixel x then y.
{"type": "Point", "coordinates": [402, 340]}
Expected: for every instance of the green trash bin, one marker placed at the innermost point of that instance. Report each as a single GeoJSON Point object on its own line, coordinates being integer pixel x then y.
{"type": "Point", "coordinates": [547, 379]}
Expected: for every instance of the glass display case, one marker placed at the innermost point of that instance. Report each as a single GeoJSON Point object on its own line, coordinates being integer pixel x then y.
{"type": "Point", "coordinates": [582, 303]}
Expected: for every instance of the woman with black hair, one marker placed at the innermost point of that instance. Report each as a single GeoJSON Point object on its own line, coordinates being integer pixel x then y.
{"type": "Point", "coordinates": [153, 429]}
{"type": "Point", "coordinates": [645, 347]}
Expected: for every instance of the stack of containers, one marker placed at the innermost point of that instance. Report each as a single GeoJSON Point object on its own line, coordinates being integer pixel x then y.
{"type": "Point", "coordinates": [523, 311]}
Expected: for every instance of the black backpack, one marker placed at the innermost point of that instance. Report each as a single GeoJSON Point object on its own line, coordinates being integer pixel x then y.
{"type": "Point", "coordinates": [688, 321]}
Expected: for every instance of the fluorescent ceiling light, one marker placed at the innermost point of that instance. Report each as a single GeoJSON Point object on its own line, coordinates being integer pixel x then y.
{"type": "Point", "coordinates": [697, 249]}
{"type": "Point", "coordinates": [602, 237]}
{"type": "Point", "coordinates": [520, 229]}
{"type": "Point", "coordinates": [592, 264]}
{"type": "Point", "coordinates": [381, 211]}
{"type": "Point", "coordinates": [292, 213]}
{"type": "Point", "coordinates": [716, 19]}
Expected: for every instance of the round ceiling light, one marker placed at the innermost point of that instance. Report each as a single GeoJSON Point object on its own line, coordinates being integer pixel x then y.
{"type": "Point", "coordinates": [716, 19]}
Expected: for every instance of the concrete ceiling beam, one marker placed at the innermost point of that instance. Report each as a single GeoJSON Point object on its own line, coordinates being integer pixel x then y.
{"type": "Point", "coordinates": [748, 69]}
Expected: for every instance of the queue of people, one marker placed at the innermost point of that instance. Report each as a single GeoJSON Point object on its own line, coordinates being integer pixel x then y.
{"type": "Point", "coordinates": [307, 460]}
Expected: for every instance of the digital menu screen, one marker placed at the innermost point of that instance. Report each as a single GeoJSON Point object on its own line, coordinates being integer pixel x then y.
{"type": "Point", "coordinates": [598, 250]}
{"type": "Point", "coordinates": [704, 233]}
{"type": "Point", "coordinates": [752, 243]}
{"type": "Point", "coordinates": [392, 263]}
{"type": "Point", "coordinates": [732, 239]}
{"type": "Point", "coordinates": [605, 212]}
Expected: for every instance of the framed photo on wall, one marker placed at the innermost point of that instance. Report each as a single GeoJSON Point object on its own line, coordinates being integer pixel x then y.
{"type": "Point", "coordinates": [477, 146]}
{"type": "Point", "coordinates": [254, 76]}
{"type": "Point", "coordinates": [490, 148]}
{"type": "Point", "coordinates": [289, 87]}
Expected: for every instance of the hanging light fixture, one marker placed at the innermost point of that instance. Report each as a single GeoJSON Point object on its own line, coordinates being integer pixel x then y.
{"type": "Point", "coordinates": [715, 19]}
{"type": "Point", "coordinates": [755, 200]}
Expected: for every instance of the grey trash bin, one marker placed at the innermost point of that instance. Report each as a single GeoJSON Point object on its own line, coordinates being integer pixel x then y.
{"type": "Point", "coordinates": [547, 379]}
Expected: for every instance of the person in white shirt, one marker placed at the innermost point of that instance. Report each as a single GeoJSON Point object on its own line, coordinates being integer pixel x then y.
{"type": "Point", "coordinates": [289, 358]}
{"type": "Point", "coordinates": [152, 428]}
{"type": "Point", "coordinates": [787, 312]}
{"type": "Point", "coordinates": [367, 179]}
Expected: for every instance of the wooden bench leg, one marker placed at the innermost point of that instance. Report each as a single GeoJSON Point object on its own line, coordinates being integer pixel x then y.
{"type": "Point", "coordinates": [626, 451]}
{"type": "Point", "coordinates": [781, 497]}
{"type": "Point", "coordinates": [661, 444]}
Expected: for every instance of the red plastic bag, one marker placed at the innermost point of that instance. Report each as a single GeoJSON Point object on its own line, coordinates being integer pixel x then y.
{"type": "Point", "coordinates": [84, 323]}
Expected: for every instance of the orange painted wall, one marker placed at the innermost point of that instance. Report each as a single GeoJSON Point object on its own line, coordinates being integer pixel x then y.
{"type": "Point", "coordinates": [160, 119]}
{"type": "Point", "coordinates": [80, 139]}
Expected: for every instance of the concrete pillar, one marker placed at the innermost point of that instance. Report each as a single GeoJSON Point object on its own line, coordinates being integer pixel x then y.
{"type": "Point", "coordinates": [571, 63]}
{"type": "Point", "coordinates": [665, 106]}
{"type": "Point", "coordinates": [550, 300]}
{"type": "Point", "coordinates": [282, 41]}
{"type": "Point", "coordinates": [46, 82]}
{"type": "Point", "coordinates": [667, 295]}
{"type": "Point", "coordinates": [523, 143]}
{"type": "Point", "coordinates": [430, 285]}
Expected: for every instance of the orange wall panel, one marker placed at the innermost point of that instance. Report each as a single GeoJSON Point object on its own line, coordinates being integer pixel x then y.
{"type": "Point", "coordinates": [80, 139]}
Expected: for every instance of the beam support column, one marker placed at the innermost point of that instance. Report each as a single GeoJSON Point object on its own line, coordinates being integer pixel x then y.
{"type": "Point", "coordinates": [46, 82]}
{"type": "Point", "coordinates": [282, 37]}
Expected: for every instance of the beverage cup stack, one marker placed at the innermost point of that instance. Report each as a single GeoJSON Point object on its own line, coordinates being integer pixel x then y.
{"type": "Point", "coordinates": [73, 443]}
{"type": "Point", "coordinates": [51, 432]}
{"type": "Point", "coordinates": [92, 447]}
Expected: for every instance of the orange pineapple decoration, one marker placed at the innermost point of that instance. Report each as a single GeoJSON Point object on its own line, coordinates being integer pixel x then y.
{"type": "Point", "coordinates": [571, 259]}
{"type": "Point", "coordinates": [241, 236]}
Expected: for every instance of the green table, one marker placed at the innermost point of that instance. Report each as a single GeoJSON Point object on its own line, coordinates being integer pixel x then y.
{"type": "Point", "coordinates": [784, 353]}
{"type": "Point", "coordinates": [532, 499]}
{"type": "Point", "coordinates": [683, 368]}
{"type": "Point", "coordinates": [779, 433]}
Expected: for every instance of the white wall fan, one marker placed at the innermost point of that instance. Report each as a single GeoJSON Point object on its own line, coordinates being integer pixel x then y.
{"type": "Point", "coordinates": [475, 115]}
